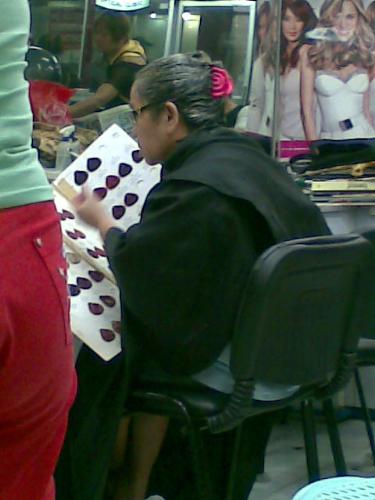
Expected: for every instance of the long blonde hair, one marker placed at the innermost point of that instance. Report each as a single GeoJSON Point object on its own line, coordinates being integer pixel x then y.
{"type": "Point", "coordinates": [335, 55]}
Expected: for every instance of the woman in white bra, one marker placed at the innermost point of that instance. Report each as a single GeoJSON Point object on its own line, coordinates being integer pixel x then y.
{"type": "Point", "coordinates": [338, 72]}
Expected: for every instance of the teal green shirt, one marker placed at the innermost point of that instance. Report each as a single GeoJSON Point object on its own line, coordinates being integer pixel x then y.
{"type": "Point", "coordinates": [22, 180]}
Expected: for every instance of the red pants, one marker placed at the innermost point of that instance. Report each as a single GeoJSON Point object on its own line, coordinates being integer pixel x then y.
{"type": "Point", "coordinates": [37, 377]}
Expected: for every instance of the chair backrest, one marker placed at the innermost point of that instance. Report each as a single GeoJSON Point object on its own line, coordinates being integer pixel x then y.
{"type": "Point", "coordinates": [305, 303]}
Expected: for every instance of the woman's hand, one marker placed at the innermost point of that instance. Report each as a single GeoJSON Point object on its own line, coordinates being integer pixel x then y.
{"type": "Point", "coordinates": [91, 211]}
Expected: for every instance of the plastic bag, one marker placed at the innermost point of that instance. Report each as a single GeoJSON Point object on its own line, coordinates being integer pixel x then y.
{"type": "Point", "coordinates": [49, 102]}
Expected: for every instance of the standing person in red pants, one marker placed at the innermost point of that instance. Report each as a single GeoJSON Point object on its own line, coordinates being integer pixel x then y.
{"type": "Point", "coordinates": [37, 378]}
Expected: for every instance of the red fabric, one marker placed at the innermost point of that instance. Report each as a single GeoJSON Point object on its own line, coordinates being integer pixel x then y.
{"type": "Point", "coordinates": [49, 102]}
{"type": "Point", "coordinates": [37, 377]}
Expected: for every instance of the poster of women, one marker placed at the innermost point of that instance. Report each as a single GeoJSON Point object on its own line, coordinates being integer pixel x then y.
{"type": "Point", "coordinates": [326, 70]}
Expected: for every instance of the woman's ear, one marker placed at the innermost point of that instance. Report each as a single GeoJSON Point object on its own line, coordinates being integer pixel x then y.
{"type": "Point", "coordinates": [174, 124]}
{"type": "Point", "coordinates": [172, 113]}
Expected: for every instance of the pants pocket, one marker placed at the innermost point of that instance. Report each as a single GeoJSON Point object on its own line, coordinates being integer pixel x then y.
{"type": "Point", "coordinates": [48, 244]}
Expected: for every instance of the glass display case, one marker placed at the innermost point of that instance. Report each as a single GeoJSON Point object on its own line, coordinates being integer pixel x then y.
{"type": "Point", "coordinates": [57, 26]}
{"type": "Point", "coordinates": [222, 28]}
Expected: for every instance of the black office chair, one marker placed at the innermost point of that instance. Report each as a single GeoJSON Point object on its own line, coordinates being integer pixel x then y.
{"type": "Point", "coordinates": [298, 323]}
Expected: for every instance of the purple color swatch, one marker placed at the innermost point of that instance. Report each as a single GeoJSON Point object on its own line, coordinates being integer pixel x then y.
{"type": "Point", "coordinates": [136, 155]}
{"type": "Point", "coordinates": [80, 177]}
{"type": "Point", "coordinates": [107, 335]}
{"type": "Point", "coordinates": [118, 211]}
{"type": "Point", "coordinates": [74, 290]}
{"type": "Point", "coordinates": [93, 164]}
{"type": "Point", "coordinates": [108, 300]}
{"type": "Point", "coordinates": [92, 253]}
{"type": "Point", "coordinates": [112, 181]}
{"type": "Point", "coordinates": [101, 192]}
{"type": "Point", "coordinates": [130, 199]}
{"type": "Point", "coordinates": [96, 308]}
{"type": "Point", "coordinates": [96, 276]}
{"type": "Point", "coordinates": [84, 283]}
{"type": "Point", "coordinates": [124, 169]}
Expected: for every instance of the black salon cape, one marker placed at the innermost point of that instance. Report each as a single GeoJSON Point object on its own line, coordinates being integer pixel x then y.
{"type": "Point", "coordinates": [181, 272]}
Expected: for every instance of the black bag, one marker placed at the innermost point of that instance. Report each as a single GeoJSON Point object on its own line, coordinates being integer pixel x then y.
{"type": "Point", "coordinates": [327, 153]}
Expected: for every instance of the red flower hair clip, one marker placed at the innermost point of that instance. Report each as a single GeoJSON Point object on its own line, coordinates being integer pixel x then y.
{"type": "Point", "coordinates": [221, 83]}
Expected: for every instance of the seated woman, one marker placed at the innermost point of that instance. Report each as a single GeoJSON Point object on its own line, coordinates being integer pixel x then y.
{"type": "Point", "coordinates": [125, 57]}
{"type": "Point", "coordinates": [182, 270]}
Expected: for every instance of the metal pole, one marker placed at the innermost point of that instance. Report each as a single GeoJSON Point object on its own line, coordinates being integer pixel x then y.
{"type": "Point", "coordinates": [179, 25]}
{"type": "Point", "coordinates": [276, 90]}
{"type": "Point", "coordinates": [249, 53]}
{"type": "Point", "coordinates": [168, 36]}
{"type": "Point", "coordinates": [83, 38]}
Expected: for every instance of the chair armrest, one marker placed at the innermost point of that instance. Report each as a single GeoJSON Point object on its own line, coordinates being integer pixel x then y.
{"type": "Point", "coordinates": [238, 408]}
{"type": "Point", "coordinates": [347, 364]}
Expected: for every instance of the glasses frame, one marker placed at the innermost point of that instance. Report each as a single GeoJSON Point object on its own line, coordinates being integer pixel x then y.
{"type": "Point", "coordinates": [136, 113]}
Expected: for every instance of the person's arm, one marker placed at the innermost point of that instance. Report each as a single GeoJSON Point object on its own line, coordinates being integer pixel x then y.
{"type": "Point", "coordinates": [105, 93]}
{"type": "Point", "coordinates": [366, 107]}
{"type": "Point", "coordinates": [367, 100]}
{"type": "Point", "coordinates": [92, 212]}
{"type": "Point", "coordinates": [256, 98]}
{"type": "Point", "coordinates": [308, 105]}
{"type": "Point", "coordinates": [242, 116]}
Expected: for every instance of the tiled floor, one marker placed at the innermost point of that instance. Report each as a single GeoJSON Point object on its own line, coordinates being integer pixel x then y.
{"type": "Point", "coordinates": [285, 470]}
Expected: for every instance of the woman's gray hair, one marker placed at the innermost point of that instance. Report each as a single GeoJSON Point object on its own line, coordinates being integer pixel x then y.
{"type": "Point", "coordinates": [185, 81]}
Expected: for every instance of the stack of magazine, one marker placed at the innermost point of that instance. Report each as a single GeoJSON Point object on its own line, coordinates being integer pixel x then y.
{"type": "Point", "coordinates": [352, 191]}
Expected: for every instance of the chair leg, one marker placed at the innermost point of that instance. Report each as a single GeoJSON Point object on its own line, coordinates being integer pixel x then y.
{"type": "Point", "coordinates": [234, 464]}
{"type": "Point", "coordinates": [248, 448]}
{"type": "Point", "coordinates": [365, 413]}
{"type": "Point", "coordinates": [334, 437]}
{"type": "Point", "coordinates": [201, 475]}
{"type": "Point", "coordinates": [309, 433]}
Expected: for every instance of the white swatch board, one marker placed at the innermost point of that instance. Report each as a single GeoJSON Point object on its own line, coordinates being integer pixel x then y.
{"type": "Point", "coordinates": [113, 168]}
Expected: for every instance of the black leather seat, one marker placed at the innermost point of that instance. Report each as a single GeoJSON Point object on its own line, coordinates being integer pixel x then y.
{"type": "Point", "coordinates": [299, 323]}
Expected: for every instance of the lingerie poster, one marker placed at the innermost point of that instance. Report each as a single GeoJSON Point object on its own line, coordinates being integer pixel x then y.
{"type": "Point", "coordinates": [326, 72]}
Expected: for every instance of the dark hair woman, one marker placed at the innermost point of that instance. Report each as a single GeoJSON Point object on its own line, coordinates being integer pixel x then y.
{"type": "Point", "coordinates": [183, 268]}
{"type": "Point", "coordinates": [124, 56]}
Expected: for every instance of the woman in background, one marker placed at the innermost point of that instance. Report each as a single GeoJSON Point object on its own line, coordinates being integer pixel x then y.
{"type": "Point", "coordinates": [338, 73]}
{"type": "Point", "coordinates": [249, 117]}
{"type": "Point", "coordinates": [125, 57]}
{"type": "Point", "coordinates": [37, 378]}
{"type": "Point", "coordinates": [297, 18]}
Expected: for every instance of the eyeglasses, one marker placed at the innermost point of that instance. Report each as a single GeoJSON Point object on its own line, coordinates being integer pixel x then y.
{"type": "Point", "coordinates": [137, 112]}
